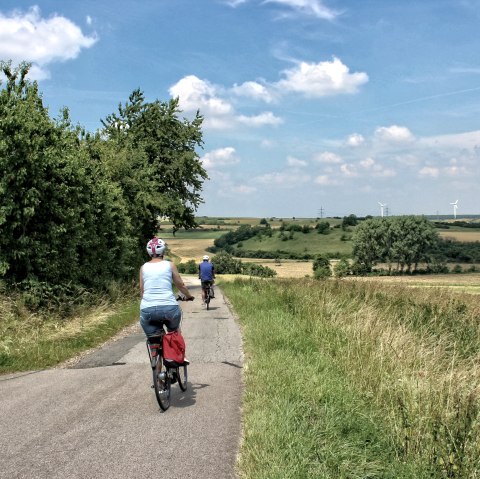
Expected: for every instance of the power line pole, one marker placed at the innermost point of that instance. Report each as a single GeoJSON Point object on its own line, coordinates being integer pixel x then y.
{"type": "Point", "coordinates": [321, 211]}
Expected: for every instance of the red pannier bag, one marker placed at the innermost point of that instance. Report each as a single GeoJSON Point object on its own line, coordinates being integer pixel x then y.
{"type": "Point", "coordinates": [173, 349]}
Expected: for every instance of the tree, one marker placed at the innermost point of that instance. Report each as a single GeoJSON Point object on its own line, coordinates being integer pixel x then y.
{"type": "Point", "coordinates": [321, 267]}
{"type": "Point", "coordinates": [61, 218]}
{"type": "Point", "coordinates": [404, 240]}
{"type": "Point", "coordinates": [166, 147]}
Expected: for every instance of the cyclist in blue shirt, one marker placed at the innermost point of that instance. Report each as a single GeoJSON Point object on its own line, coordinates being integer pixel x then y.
{"type": "Point", "coordinates": [206, 274]}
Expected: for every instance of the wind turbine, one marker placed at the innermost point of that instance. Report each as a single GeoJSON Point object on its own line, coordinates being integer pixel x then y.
{"type": "Point", "coordinates": [455, 206]}
{"type": "Point", "coordinates": [382, 205]}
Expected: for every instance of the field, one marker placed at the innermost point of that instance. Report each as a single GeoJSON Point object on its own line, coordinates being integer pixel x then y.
{"type": "Point", "coordinates": [465, 236]}
{"type": "Point", "coordinates": [311, 243]}
{"type": "Point", "coordinates": [358, 380]}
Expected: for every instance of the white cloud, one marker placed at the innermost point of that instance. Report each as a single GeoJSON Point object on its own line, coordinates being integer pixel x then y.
{"type": "Point", "coordinates": [394, 134]}
{"type": "Point", "coordinates": [255, 90]}
{"type": "Point", "coordinates": [430, 171]}
{"type": "Point", "coordinates": [295, 162]}
{"type": "Point", "coordinates": [367, 163]}
{"type": "Point", "coordinates": [196, 94]}
{"type": "Point", "coordinates": [266, 118]}
{"type": "Point", "coordinates": [243, 189]}
{"type": "Point", "coordinates": [287, 179]}
{"type": "Point", "coordinates": [315, 8]}
{"type": "Point", "coordinates": [321, 79]}
{"type": "Point", "coordinates": [327, 157]}
{"type": "Point", "coordinates": [355, 140]}
{"type": "Point", "coordinates": [220, 157]}
{"type": "Point", "coordinates": [325, 180]}
{"type": "Point", "coordinates": [27, 36]}
{"type": "Point", "coordinates": [89, 20]}
{"type": "Point", "coordinates": [348, 170]}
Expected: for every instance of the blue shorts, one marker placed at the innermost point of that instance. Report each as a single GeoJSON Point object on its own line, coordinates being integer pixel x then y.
{"type": "Point", "coordinates": [153, 318]}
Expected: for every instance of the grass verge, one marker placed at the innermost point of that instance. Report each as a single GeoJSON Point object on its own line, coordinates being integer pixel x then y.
{"type": "Point", "coordinates": [355, 380]}
{"type": "Point", "coordinates": [30, 341]}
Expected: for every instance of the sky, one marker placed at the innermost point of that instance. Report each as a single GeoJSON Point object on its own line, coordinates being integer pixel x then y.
{"type": "Point", "coordinates": [311, 107]}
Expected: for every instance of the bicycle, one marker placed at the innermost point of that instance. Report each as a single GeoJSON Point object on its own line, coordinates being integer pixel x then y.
{"type": "Point", "coordinates": [208, 294]}
{"type": "Point", "coordinates": [164, 377]}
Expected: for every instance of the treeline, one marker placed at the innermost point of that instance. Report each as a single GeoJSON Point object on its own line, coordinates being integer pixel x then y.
{"type": "Point", "coordinates": [77, 208]}
{"type": "Point", "coordinates": [225, 263]}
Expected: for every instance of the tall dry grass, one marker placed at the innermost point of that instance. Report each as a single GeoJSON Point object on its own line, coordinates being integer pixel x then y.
{"type": "Point", "coordinates": [407, 360]}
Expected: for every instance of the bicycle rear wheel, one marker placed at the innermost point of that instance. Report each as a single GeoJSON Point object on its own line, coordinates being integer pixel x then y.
{"type": "Point", "coordinates": [162, 385]}
{"type": "Point", "coordinates": [182, 377]}
{"type": "Point", "coordinates": [207, 298]}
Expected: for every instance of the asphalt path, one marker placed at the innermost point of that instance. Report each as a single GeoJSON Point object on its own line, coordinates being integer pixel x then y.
{"type": "Point", "coordinates": [99, 418]}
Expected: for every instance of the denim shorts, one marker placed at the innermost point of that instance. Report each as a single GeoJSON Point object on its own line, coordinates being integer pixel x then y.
{"type": "Point", "coordinates": [153, 318]}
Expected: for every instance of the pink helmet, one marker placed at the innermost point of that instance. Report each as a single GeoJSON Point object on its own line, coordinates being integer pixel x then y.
{"type": "Point", "coordinates": [156, 246]}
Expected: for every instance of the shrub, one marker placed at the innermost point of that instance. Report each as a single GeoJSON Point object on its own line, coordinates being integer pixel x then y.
{"type": "Point", "coordinates": [321, 267]}
{"type": "Point", "coordinates": [342, 268]}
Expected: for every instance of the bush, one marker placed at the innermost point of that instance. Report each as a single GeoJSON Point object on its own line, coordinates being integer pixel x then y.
{"type": "Point", "coordinates": [342, 268]}
{"type": "Point", "coordinates": [321, 267]}
{"type": "Point", "coordinates": [253, 269]}
{"type": "Point", "coordinates": [190, 267]}
{"type": "Point", "coordinates": [225, 263]}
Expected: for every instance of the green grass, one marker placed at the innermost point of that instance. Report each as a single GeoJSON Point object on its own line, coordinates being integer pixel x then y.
{"type": "Point", "coordinates": [312, 243]}
{"type": "Point", "coordinates": [355, 380]}
{"type": "Point", "coordinates": [32, 341]}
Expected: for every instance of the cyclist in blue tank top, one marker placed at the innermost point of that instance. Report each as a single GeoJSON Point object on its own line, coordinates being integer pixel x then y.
{"type": "Point", "coordinates": [206, 274]}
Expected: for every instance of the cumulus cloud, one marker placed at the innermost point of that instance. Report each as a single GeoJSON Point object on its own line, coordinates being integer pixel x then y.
{"type": "Point", "coordinates": [42, 41]}
{"type": "Point", "coordinates": [321, 79]}
{"type": "Point", "coordinates": [286, 179]}
{"type": "Point", "coordinates": [255, 90]}
{"type": "Point", "coordinates": [430, 171]}
{"type": "Point", "coordinates": [394, 134]}
{"type": "Point", "coordinates": [327, 157]}
{"type": "Point", "coordinates": [325, 180]}
{"type": "Point", "coordinates": [355, 140]}
{"type": "Point", "coordinates": [196, 94]}
{"type": "Point", "coordinates": [244, 189]}
{"type": "Point", "coordinates": [266, 118]}
{"type": "Point", "coordinates": [220, 157]}
{"type": "Point", "coordinates": [295, 162]}
{"type": "Point", "coordinates": [348, 170]}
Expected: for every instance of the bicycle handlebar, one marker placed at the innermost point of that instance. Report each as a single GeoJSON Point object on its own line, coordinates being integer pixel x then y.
{"type": "Point", "coordinates": [183, 298]}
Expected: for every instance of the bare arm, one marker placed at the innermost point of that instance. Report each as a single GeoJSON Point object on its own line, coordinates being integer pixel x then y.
{"type": "Point", "coordinates": [177, 279]}
{"type": "Point", "coordinates": [141, 283]}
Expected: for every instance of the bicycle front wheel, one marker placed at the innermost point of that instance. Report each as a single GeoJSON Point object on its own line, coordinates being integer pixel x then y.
{"type": "Point", "coordinates": [182, 377]}
{"type": "Point", "coordinates": [162, 385]}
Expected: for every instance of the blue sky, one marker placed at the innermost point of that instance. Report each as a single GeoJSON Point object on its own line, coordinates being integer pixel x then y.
{"type": "Point", "coordinates": [308, 104]}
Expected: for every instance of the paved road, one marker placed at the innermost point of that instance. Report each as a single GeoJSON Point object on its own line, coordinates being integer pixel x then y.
{"type": "Point", "coordinates": [100, 418]}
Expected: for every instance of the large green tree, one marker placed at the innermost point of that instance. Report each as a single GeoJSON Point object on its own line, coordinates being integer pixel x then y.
{"type": "Point", "coordinates": [401, 242]}
{"type": "Point", "coordinates": [164, 147]}
{"type": "Point", "coordinates": [61, 218]}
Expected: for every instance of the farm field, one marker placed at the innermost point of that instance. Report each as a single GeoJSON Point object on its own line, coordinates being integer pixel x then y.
{"type": "Point", "coordinates": [465, 236]}
{"type": "Point", "coordinates": [311, 243]}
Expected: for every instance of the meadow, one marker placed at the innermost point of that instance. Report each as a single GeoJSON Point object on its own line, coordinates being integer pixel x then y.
{"type": "Point", "coordinates": [354, 379]}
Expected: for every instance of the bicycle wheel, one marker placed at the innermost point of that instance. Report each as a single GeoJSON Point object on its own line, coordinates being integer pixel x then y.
{"type": "Point", "coordinates": [207, 298]}
{"type": "Point", "coordinates": [162, 385]}
{"type": "Point", "coordinates": [182, 377]}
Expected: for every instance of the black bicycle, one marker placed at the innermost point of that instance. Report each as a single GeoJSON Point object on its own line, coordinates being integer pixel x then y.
{"type": "Point", "coordinates": [208, 294]}
{"type": "Point", "coordinates": [164, 377]}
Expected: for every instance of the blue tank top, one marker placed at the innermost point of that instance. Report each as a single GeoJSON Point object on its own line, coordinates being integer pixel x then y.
{"type": "Point", "coordinates": [157, 285]}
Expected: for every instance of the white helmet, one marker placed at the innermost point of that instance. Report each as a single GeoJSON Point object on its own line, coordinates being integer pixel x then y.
{"type": "Point", "coordinates": [206, 258]}
{"type": "Point", "coordinates": [156, 246]}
